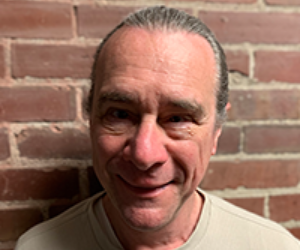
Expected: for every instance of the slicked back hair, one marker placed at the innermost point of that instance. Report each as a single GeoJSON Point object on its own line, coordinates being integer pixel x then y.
{"type": "Point", "coordinates": [173, 20]}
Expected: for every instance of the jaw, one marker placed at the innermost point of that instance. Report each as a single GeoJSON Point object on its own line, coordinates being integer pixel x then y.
{"type": "Point", "coordinates": [147, 209]}
{"type": "Point", "coordinates": [140, 225]}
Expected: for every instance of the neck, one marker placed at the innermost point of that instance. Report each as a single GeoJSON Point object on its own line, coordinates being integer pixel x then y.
{"type": "Point", "coordinates": [170, 236]}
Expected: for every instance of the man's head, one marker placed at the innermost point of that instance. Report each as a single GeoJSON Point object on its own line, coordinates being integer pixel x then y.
{"type": "Point", "coordinates": [153, 120]}
{"type": "Point", "coordinates": [163, 18]}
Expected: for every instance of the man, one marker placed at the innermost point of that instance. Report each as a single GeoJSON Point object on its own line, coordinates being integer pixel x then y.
{"type": "Point", "coordinates": [157, 103]}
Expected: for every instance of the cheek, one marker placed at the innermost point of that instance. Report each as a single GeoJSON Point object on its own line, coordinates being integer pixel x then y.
{"type": "Point", "coordinates": [187, 156]}
{"type": "Point", "coordinates": [104, 150]}
{"type": "Point", "coordinates": [192, 157]}
{"type": "Point", "coordinates": [106, 146]}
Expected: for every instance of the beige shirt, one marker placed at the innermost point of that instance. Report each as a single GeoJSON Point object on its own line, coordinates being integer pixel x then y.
{"type": "Point", "coordinates": [221, 226]}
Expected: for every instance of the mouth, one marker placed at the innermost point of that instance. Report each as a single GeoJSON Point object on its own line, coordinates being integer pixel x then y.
{"type": "Point", "coordinates": [145, 190]}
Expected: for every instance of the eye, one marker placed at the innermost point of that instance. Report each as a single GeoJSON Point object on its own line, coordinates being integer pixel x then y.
{"type": "Point", "coordinates": [117, 120]}
{"type": "Point", "coordinates": [179, 118]}
{"type": "Point", "coordinates": [176, 121]}
{"type": "Point", "coordinates": [178, 126]}
{"type": "Point", "coordinates": [120, 114]}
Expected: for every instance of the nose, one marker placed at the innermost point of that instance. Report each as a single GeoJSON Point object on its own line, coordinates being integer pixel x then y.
{"type": "Point", "coordinates": [146, 148]}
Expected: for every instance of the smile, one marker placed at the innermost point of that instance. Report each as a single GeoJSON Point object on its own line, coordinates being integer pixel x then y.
{"type": "Point", "coordinates": [144, 191]}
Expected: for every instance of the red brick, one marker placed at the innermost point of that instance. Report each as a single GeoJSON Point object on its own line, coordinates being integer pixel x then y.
{"type": "Point", "coordinates": [229, 141]}
{"type": "Point", "coordinates": [227, 1]}
{"type": "Point", "coordinates": [264, 104]}
{"type": "Point", "coordinates": [210, 1]}
{"type": "Point", "coordinates": [237, 27]}
{"type": "Point", "coordinates": [37, 104]}
{"type": "Point", "coordinates": [252, 174]}
{"type": "Point", "coordinates": [98, 21]}
{"type": "Point", "coordinates": [254, 205]}
{"type": "Point", "coordinates": [38, 184]}
{"type": "Point", "coordinates": [238, 61]}
{"type": "Point", "coordinates": [283, 2]}
{"type": "Point", "coordinates": [55, 143]}
{"type": "Point", "coordinates": [233, 1]}
{"type": "Point", "coordinates": [285, 207]}
{"type": "Point", "coordinates": [295, 232]}
{"type": "Point", "coordinates": [15, 222]}
{"type": "Point", "coordinates": [4, 144]}
{"type": "Point", "coordinates": [51, 60]}
{"type": "Point", "coordinates": [85, 94]}
{"type": "Point", "coordinates": [35, 19]}
{"type": "Point", "coordinates": [2, 62]}
{"type": "Point", "coordinates": [272, 139]}
{"type": "Point", "coordinates": [277, 65]}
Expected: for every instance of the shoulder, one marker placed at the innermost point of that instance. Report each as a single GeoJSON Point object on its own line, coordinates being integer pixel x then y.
{"type": "Point", "coordinates": [60, 230]}
{"type": "Point", "coordinates": [234, 222]}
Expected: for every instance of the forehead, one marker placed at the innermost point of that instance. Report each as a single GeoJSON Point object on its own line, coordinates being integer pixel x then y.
{"type": "Point", "coordinates": [157, 57]}
{"type": "Point", "coordinates": [162, 48]}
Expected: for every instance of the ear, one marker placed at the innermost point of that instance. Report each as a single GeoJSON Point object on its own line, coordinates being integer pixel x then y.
{"type": "Point", "coordinates": [228, 106]}
{"type": "Point", "coordinates": [218, 132]}
{"type": "Point", "coordinates": [216, 140]}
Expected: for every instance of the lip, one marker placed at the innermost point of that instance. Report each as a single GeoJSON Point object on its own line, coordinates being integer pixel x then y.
{"type": "Point", "coordinates": [144, 191]}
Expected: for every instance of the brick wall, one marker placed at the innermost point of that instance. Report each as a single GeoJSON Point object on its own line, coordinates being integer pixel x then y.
{"type": "Point", "coordinates": [46, 49]}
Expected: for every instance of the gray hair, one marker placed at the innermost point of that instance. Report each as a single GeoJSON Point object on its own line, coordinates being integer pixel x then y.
{"type": "Point", "coordinates": [169, 19]}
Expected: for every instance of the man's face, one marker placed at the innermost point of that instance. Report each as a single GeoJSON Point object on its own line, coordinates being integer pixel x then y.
{"type": "Point", "coordinates": [153, 123]}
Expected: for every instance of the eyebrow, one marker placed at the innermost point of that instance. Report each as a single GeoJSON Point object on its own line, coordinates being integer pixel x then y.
{"type": "Point", "coordinates": [116, 96]}
{"type": "Point", "coordinates": [190, 106]}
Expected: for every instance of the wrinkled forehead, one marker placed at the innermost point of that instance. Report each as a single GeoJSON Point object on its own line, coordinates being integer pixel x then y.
{"type": "Point", "coordinates": [159, 50]}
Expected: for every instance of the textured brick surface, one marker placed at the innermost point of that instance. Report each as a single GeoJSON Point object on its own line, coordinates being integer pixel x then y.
{"type": "Point", "coordinates": [283, 2]}
{"type": "Point", "coordinates": [4, 144]}
{"type": "Point", "coordinates": [37, 184]}
{"type": "Point", "coordinates": [214, 1]}
{"type": "Point", "coordinates": [254, 205]}
{"type": "Point", "coordinates": [46, 53]}
{"type": "Point", "coordinates": [31, 19]}
{"type": "Point", "coordinates": [2, 62]}
{"type": "Point", "coordinates": [229, 141]}
{"type": "Point", "coordinates": [14, 222]}
{"type": "Point", "coordinates": [55, 143]}
{"type": "Point", "coordinates": [252, 174]}
{"type": "Point", "coordinates": [295, 232]}
{"type": "Point", "coordinates": [37, 104]}
{"type": "Point", "coordinates": [85, 94]}
{"type": "Point", "coordinates": [275, 139]}
{"type": "Point", "coordinates": [285, 207]}
{"type": "Point", "coordinates": [277, 65]}
{"type": "Point", "coordinates": [238, 61]}
{"type": "Point", "coordinates": [99, 21]}
{"type": "Point", "coordinates": [208, 1]}
{"type": "Point", "coordinates": [227, 1]}
{"type": "Point", "coordinates": [237, 27]}
{"type": "Point", "coordinates": [51, 60]}
{"type": "Point", "coordinates": [264, 104]}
